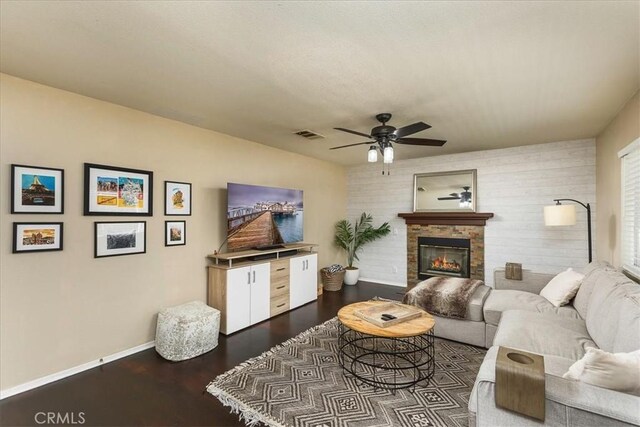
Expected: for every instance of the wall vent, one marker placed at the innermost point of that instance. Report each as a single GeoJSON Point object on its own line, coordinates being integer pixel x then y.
{"type": "Point", "coordinates": [309, 134]}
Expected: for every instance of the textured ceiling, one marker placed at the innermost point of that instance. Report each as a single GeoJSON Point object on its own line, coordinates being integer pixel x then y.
{"type": "Point", "coordinates": [483, 74]}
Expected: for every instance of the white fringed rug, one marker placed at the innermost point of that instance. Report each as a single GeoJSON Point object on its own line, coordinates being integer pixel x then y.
{"type": "Point", "coordinates": [300, 383]}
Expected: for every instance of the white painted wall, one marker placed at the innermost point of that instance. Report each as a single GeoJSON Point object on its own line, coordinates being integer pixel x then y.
{"type": "Point", "coordinates": [513, 183]}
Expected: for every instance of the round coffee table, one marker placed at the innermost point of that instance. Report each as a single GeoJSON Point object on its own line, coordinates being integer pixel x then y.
{"type": "Point", "coordinates": [394, 357]}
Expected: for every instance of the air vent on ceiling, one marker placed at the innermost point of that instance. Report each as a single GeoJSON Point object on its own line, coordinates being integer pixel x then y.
{"type": "Point", "coordinates": [306, 133]}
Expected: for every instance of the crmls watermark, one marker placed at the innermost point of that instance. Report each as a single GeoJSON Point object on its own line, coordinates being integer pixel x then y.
{"type": "Point", "coordinates": [64, 418]}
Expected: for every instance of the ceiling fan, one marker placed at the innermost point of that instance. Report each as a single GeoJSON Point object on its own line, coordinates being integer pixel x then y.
{"type": "Point", "coordinates": [384, 136]}
{"type": "Point", "coordinates": [463, 196]}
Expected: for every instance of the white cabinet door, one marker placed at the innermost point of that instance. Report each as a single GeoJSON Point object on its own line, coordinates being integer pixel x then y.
{"type": "Point", "coordinates": [260, 292]}
{"type": "Point", "coordinates": [311, 278]}
{"type": "Point", "coordinates": [238, 297]}
{"type": "Point", "coordinates": [296, 282]}
{"type": "Point", "coordinates": [303, 280]}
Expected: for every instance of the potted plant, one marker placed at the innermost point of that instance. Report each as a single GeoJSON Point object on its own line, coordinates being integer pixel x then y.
{"type": "Point", "coordinates": [351, 238]}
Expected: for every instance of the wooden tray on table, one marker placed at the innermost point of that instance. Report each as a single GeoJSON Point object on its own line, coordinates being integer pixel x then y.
{"type": "Point", "coordinates": [402, 312]}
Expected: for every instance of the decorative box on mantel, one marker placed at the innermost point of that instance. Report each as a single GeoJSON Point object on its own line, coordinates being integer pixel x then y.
{"type": "Point", "coordinates": [449, 244]}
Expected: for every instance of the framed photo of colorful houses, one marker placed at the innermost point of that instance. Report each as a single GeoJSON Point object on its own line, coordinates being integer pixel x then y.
{"type": "Point", "coordinates": [110, 190]}
{"type": "Point", "coordinates": [37, 190]}
{"type": "Point", "coordinates": [177, 198]}
{"type": "Point", "coordinates": [37, 236]}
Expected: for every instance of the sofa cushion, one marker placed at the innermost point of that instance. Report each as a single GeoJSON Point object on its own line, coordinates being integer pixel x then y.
{"type": "Point", "coordinates": [593, 272]}
{"type": "Point", "coordinates": [499, 301]}
{"type": "Point", "coordinates": [628, 335]}
{"type": "Point", "coordinates": [562, 288]}
{"type": "Point", "coordinates": [605, 307]}
{"type": "Point", "coordinates": [547, 334]}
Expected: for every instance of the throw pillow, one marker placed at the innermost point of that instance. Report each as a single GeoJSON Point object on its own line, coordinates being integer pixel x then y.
{"type": "Point", "coordinates": [562, 288]}
{"type": "Point", "coordinates": [615, 371]}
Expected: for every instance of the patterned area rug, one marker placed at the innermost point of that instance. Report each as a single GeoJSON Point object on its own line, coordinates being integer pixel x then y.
{"type": "Point", "coordinates": [300, 383]}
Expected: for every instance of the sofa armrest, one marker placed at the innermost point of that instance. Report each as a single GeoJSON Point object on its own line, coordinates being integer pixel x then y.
{"type": "Point", "coordinates": [531, 282]}
{"type": "Point", "coordinates": [565, 399]}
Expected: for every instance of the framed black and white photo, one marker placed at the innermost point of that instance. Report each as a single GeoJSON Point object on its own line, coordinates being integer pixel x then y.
{"type": "Point", "coordinates": [177, 198]}
{"type": "Point", "coordinates": [175, 233]}
{"type": "Point", "coordinates": [37, 236]}
{"type": "Point", "coordinates": [112, 190]}
{"type": "Point", "coordinates": [114, 238]}
{"type": "Point", "coordinates": [37, 190]}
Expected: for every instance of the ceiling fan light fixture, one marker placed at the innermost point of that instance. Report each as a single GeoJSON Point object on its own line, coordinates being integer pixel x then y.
{"type": "Point", "coordinates": [388, 154]}
{"type": "Point", "coordinates": [372, 155]}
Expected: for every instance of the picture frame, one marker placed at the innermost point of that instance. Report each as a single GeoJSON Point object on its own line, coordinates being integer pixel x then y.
{"type": "Point", "coordinates": [177, 198]}
{"type": "Point", "coordinates": [110, 190]}
{"type": "Point", "coordinates": [175, 233]}
{"type": "Point", "coordinates": [37, 236]}
{"type": "Point", "coordinates": [118, 238]}
{"type": "Point", "coordinates": [450, 191]}
{"type": "Point", "coordinates": [37, 190]}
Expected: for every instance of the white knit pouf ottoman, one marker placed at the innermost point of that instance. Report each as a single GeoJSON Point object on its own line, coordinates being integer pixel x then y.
{"type": "Point", "coordinates": [187, 331]}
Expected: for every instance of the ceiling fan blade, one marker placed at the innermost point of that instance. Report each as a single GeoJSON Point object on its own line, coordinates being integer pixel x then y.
{"type": "Point", "coordinates": [421, 141]}
{"type": "Point", "coordinates": [351, 145]}
{"type": "Point", "coordinates": [411, 129]}
{"type": "Point", "coordinates": [353, 132]}
{"type": "Point", "coordinates": [448, 198]}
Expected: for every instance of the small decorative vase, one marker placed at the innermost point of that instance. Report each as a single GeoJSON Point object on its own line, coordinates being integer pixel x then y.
{"type": "Point", "coordinates": [351, 275]}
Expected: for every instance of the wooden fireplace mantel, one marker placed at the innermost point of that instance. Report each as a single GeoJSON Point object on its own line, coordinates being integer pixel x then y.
{"type": "Point", "coordinates": [446, 218]}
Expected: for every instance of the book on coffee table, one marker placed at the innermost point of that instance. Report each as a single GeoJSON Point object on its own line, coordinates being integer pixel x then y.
{"type": "Point", "coordinates": [401, 312]}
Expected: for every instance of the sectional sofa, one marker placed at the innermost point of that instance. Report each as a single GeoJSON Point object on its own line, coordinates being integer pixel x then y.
{"type": "Point", "coordinates": [604, 314]}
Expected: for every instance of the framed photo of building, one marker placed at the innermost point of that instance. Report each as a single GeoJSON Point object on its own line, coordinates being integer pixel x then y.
{"type": "Point", "coordinates": [37, 236]}
{"type": "Point", "coordinates": [115, 238]}
{"type": "Point", "coordinates": [175, 233]}
{"type": "Point", "coordinates": [177, 198]}
{"type": "Point", "coordinates": [112, 190]}
{"type": "Point", "coordinates": [37, 190]}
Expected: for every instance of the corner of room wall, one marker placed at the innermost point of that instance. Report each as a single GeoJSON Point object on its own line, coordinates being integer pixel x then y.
{"type": "Point", "coordinates": [61, 310]}
{"type": "Point", "coordinates": [622, 130]}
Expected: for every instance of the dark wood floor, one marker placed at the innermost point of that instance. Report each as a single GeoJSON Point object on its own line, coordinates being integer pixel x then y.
{"type": "Point", "coordinates": [144, 389]}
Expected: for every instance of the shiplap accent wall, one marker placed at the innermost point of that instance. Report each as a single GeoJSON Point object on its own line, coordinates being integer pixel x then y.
{"type": "Point", "coordinates": [513, 183]}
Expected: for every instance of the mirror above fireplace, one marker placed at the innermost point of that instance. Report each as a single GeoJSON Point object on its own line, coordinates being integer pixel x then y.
{"type": "Point", "coordinates": [453, 191]}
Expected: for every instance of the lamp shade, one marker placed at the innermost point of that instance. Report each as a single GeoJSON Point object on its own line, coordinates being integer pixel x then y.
{"type": "Point", "coordinates": [388, 154]}
{"type": "Point", "coordinates": [372, 156]}
{"type": "Point", "coordinates": [560, 215]}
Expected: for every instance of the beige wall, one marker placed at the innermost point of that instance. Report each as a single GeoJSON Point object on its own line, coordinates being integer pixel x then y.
{"type": "Point", "coordinates": [622, 130]}
{"type": "Point", "coordinates": [62, 309]}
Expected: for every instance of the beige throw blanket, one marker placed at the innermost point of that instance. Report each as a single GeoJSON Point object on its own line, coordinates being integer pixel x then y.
{"type": "Point", "coordinates": [444, 296]}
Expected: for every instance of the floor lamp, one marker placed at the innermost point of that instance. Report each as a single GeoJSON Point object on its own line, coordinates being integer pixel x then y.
{"type": "Point", "coordinates": [560, 214]}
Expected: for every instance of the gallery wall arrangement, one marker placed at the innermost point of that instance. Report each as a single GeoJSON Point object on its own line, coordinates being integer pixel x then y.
{"type": "Point", "coordinates": [108, 191]}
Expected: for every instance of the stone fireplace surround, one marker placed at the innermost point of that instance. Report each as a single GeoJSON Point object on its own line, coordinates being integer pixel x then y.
{"type": "Point", "coordinates": [466, 225]}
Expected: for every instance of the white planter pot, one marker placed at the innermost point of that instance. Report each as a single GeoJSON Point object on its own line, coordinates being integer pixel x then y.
{"type": "Point", "coordinates": [351, 276]}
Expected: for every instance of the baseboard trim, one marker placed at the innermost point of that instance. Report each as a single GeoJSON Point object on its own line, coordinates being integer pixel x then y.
{"type": "Point", "coordinates": [384, 282]}
{"type": "Point", "coordinates": [39, 382]}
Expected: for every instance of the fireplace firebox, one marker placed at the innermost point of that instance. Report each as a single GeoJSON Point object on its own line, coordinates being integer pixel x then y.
{"type": "Point", "coordinates": [443, 257]}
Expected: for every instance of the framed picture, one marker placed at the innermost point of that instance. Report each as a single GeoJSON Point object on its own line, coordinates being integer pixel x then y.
{"type": "Point", "coordinates": [177, 198]}
{"type": "Point", "coordinates": [114, 238]}
{"type": "Point", "coordinates": [110, 190]}
{"type": "Point", "coordinates": [175, 233]}
{"type": "Point", "coordinates": [37, 237]}
{"type": "Point", "coordinates": [37, 190]}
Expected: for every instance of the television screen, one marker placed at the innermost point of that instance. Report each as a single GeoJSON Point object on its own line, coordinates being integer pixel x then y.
{"type": "Point", "coordinates": [259, 217]}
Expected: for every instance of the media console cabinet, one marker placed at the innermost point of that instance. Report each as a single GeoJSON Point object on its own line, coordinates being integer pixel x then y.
{"type": "Point", "coordinates": [248, 290]}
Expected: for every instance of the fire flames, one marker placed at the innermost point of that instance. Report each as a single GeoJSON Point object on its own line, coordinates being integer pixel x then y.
{"type": "Point", "coordinates": [442, 264]}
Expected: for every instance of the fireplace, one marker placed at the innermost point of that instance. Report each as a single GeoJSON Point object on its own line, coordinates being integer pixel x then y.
{"type": "Point", "coordinates": [443, 257]}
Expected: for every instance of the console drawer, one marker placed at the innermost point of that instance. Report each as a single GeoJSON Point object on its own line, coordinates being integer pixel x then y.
{"type": "Point", "coordinates": [279, 286]}
{"type": "Point", "coordinates": [279, 268]}
{"type": "Point", "coordinates": [279, 304]}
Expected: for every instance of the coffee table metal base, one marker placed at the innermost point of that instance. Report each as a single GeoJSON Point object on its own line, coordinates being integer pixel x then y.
{"type": "Point", "coordinates": [387, 363]}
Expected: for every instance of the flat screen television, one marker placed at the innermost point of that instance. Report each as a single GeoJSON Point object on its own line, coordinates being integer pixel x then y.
{"type": "Point", "coordinates": [262, 217]}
